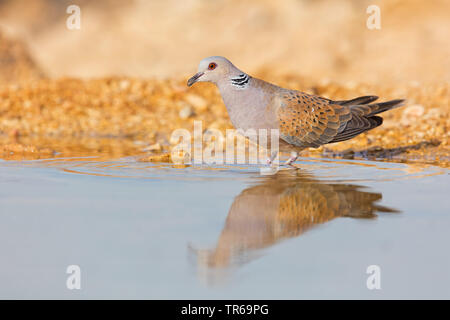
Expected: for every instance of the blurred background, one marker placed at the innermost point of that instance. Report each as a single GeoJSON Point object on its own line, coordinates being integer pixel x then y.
{"type": "Point", "coordinates": [313, 38]}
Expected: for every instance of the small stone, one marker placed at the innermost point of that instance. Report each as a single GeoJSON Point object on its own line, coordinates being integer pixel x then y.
{"type": "Point", "coordinates": [124, 85]}
{"type": "Point", "coordinates": [138, 142]}
{"type": "Point", "coordinates": [415, 110]}
{"type": "Point", "coordinates": [180, 157]}
{"type": "Point", "coordinates": [411, 113]}
{"type": "Point", "coordinates": [153, 147]}
{"type": "Point", "coordinates": [186, 112]}
{"type": "Point", "coordinates": [157, 158]}
{"type": "Point", "coordinates": [433, 114]}
{"type": "Point", "coordinates": [199, 104]}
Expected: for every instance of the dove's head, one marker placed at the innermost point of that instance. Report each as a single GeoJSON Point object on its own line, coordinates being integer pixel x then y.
{"type": "Point", "coordinates": [213, 69]}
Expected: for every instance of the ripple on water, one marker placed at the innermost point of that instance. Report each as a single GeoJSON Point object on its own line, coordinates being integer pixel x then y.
{"type": "Point", "coordinates": [255, 212]}
{"type": "Point", "coordinates": [334, 170]}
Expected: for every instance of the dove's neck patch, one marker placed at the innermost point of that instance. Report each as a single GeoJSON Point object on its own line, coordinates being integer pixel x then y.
{"type": "Point", "coordinates": [241, 81]}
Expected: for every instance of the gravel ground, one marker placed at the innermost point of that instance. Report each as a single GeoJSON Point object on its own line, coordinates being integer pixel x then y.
{"type": "Point", "coordinates": [125, 116]}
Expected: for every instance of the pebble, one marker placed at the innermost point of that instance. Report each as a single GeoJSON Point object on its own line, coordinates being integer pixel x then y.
{"type": "Point", "coordinates": [411, 114]}
{"type": "Point", "coordinates": [153, 147]}
{"type": "Point", "coordinates": [186, 112]}
{"type": "Point", "coordinates": [199, 103]}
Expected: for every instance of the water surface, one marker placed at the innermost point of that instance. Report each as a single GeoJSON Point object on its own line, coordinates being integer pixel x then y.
{"type": "Point", "coordinates": [140, 230]}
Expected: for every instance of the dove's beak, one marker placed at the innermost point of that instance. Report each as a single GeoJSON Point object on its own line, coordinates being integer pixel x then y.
{"type": "Point", "coordinates": [194, 78]}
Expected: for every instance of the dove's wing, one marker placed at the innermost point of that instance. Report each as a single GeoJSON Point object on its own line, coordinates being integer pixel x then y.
{"type": "Point", "coordinates": [310, 121]}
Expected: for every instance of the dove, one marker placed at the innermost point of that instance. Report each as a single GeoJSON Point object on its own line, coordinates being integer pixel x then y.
{"type": "Point", "coordinates": [303, 120]}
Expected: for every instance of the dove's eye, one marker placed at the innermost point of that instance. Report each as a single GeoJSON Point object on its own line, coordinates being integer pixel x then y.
{"type": "Point", "coordinates": [212, 66]}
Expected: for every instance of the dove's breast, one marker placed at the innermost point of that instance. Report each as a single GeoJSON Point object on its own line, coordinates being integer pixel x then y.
{"type": "Point", "coordinates": [251, 108]}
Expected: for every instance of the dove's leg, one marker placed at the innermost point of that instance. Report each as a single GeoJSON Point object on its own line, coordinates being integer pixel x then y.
{"type": "Point", "coordinates": [272, 157]}
{"type": "Point", "coordinates": [294, 156]}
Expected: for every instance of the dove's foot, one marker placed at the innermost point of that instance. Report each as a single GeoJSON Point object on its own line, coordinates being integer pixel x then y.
{"type": "Point", "coordinates": [291, 160]}
{"type": "Point", "coordinates": [272, 157]}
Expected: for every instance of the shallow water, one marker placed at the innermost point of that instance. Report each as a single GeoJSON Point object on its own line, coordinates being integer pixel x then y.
{"type": "Point", "coordinates": [140, 230]}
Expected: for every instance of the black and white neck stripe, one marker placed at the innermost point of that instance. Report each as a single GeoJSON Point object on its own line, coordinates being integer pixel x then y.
{"type": "Point", "coordinates": [241, 81]}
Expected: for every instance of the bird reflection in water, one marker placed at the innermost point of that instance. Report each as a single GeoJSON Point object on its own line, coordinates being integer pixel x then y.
{"type": "Point", "coordinates": [281, 206]}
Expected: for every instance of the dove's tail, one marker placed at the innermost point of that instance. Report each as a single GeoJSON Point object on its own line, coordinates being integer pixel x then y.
{"type": "Point", "coordinates": [363, 116]}
{"type": "Point", "coordinates": [376, 108]}
{"type": "Point", "coordinates": [356, 101]}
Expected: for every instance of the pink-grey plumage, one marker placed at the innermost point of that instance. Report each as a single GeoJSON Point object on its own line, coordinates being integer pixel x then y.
{"type": "Point", "coordinates": [304, 120]}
